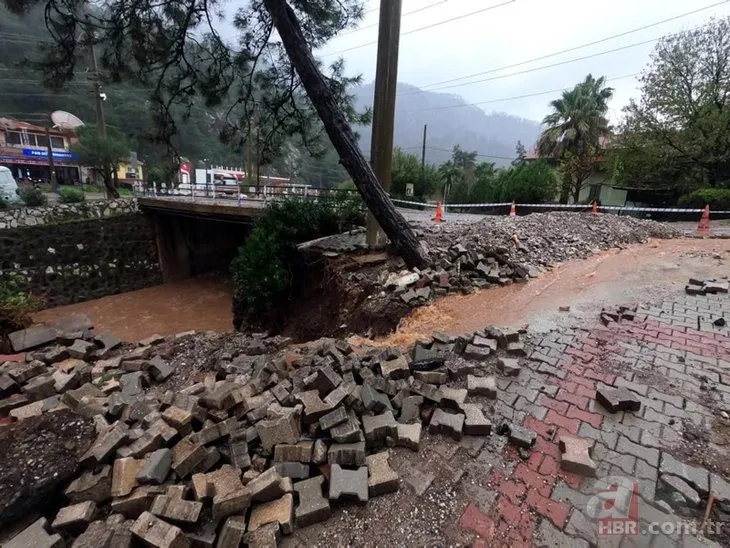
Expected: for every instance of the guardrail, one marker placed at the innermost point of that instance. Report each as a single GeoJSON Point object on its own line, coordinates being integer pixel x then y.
{"type": "Point", "coordinates": [231, 193]}
{"type": "Point", "coordinates": [265, 194]}
{"type": "Point", "coordinates": [497, 208]}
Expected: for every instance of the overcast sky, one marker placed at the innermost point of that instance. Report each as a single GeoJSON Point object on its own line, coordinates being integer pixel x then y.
{"type": "Point", "coordinates": [519, 31]}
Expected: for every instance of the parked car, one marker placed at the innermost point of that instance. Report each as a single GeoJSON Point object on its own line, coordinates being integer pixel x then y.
{"type": "Point", "coordinates": [8, 186]}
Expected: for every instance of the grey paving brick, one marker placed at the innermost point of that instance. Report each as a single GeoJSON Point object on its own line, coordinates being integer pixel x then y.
{"type": "Point", "coordinates": [698, 478]}
{"type": "Point", "coordinates": [581, 527]}
{"type": "Point", "coordinates": [607, 438]}
{"type": "Point", "coordinates": [636, 387]}
{"type": "Point", "coordinates": [644, 470]}
{"type": "Point", "coordinates": [547, 536]}
{"type": "Point", "coordinates": [650, 455]}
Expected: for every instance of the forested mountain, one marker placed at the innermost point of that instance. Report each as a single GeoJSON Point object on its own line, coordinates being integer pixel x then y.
{"type": "Point", "coordinates": [450, 122]}
{"type": "Point", "coordinates": [22, 96]}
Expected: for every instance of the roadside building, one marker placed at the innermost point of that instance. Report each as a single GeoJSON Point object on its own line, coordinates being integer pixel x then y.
{"type": "Point", "coordinates": [24, 150]}
{"type": "Point", "coordinates": [130, 172]}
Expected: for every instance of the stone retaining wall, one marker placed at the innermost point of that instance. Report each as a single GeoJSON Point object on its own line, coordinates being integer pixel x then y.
{"type": "Point", "coordinates": [34, 216]}
{"type": "Point", "coordinates": [80, 260]}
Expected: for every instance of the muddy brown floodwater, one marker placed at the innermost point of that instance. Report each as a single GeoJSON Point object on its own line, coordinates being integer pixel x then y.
{"type": "Point", "coordinates": [633, 275]}
{"type": "Point", "coordinates": [202, 304]}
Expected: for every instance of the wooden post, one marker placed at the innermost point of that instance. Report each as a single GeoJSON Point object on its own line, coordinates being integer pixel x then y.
{"type": "Point", "coordinates": [386, 80]}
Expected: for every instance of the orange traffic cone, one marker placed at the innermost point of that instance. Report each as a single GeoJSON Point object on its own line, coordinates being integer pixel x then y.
{"type": "Point", "coordinates": [595, 207]}
{"type": "Point", "coordinates": [513, 210]}
{"type": "Point", "coordinates": [439, 213]}
{"type": "Point", "coordinates": [704, 226]}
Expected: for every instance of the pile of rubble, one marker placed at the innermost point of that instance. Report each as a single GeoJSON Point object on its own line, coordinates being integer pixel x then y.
{"type": "Point", "coordinates": [705, 287]}
{"type": "Point", "coordinates": [502, 250]}
{"type": "Point", "coordinates": [264, 442]}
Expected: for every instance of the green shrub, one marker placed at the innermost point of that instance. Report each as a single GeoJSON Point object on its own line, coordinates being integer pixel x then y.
{"type": "Point", "coordinates": [716, 198]}
{"type": "Point", "coordinates": [16, 306]}
{"type": "Point", "coordinates": [262, 270]}
{"type": "Point", "coordinates": [71, 195]}
{"type": "Point", "coordinates": [32, 196]}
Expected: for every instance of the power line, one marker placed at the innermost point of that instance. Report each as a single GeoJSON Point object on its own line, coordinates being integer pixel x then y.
{"type": "Point", "coordinates": [404, 15]}
{"type": "Point", "coordinates": [581, 46]}
{"type": "Point", "coordinates": [535, 69]}
{"type": "Point", "coordinates": [495, 6]}
{"type": "Point", "coordinates": [515, 97]}
{"type": "Point", "coordinates": [479, 155]}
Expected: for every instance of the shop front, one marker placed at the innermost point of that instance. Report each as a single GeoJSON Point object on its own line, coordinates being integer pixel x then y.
{"type": "Point", "coordinates": [31, 165]}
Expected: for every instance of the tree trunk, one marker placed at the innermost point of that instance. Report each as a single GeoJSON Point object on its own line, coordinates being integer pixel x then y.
{"type": "Point", "coordinates": [342, 136]}
{"type": "Point", "coordinates": [565, 188]}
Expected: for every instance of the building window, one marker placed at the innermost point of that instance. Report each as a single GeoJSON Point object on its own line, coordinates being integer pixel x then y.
{"type": "Point", "coordinates": [41, 140]}
{"type": "Point", "coordinates": [14, 138]}
{"type": "Point", "coordinates": [57, 142]}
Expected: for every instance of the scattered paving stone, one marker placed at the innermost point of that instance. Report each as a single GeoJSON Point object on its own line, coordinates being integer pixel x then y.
{"type": "Point", "coordinates": [348, 432]}
{"type": "Point", "coordinates": [475, 423]}
{"type": "Point", "coordinates": [268, 486]}
{"type": "Point", "coordinates": [35, 536]}
{"type": "Point", "coordinates": [156, 466]}
{"type": "Point", "coordinates": [509, 366]}
{"type": "Point", "coordinates": [293, 470]}
{"type": "Point", "coordinates": [447, 424]}
{"type": "Point", "coordinates": [373, 400]}
{"type": "Point", "coordinates": [617, 399]}
{"type": "Point", "coordinates": [313, 505]}
{"type": "Point", "coordinates": [518, 435]}
{"type": "Point", "coordinates": [32, 337]}
{"type": "Point", "coordinates": [395, 369]}
{"type": "Point", "coordinates": [157, 533]}
{"type": "Point", "coordinates": [348, 484]}
{"type": "Point", "coordinates": [74, 518]}
{"type": "Point", "coordinates": [576, 455]}
{"type": "Point", "coordinates": [231, 534]}
{"type": "Point", "coordinates": [377, 428]}
{"type": "Point", "coordinates": [279, 511]}
{"type": "Point", "coordinates": [333, 418]}
{"type": "Point", "coordinates": [280, 427]}
{"type": "Point", "coordinates": [296, 452]}
{"type": "Point", "coordinates": [347, 454]}
{"type": "Point", "coordinates": [124, 476]}
{"type": "Point", "coordinates": [263, 537]}
{"type": "Point", "coordinates": [382, 478]}
{"type": "Point", "coordinates": [409, 435]}
{"type": "Point", "coordinates": [186, 455]}
{"type": "Point", "coordinates": [171, 506]}
{"type": "Point", "coordinates": [481, 386]}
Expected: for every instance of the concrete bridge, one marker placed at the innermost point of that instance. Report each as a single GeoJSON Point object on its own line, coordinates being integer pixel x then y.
{"type": "Point", "coordinates": [198, 235]}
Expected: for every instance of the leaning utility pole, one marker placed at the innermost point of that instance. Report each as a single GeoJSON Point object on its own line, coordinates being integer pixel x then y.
{"type": "Point", "coordinates": [386, 80]}
{"type": "Point", "coordinates": [100, 121]}
{"type": "Point", "coordinates": [423, 153]}
{"type": "Point", "coordinates": [51, 165]}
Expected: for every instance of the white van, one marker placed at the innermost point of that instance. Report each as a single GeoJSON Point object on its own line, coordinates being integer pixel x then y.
{"type": "Point", "coordinates": [8, 186]}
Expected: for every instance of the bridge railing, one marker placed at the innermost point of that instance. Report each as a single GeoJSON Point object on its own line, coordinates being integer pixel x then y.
{"type": "Point", "coordinates": [235, 193]}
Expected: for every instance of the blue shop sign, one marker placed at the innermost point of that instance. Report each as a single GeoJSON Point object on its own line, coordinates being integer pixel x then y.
{"type": "Point", "coordinates": [60, 155]}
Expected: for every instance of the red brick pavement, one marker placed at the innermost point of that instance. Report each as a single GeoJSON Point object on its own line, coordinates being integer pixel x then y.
{"type": "Point", "coordinates": [524, 497]}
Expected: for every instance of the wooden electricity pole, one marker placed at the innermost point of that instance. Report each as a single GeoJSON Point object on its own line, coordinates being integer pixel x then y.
{"type": "Point", "coordinates": [51, 164]}
{"type": "Point", "coordinates": [343, 138]}
{"type": "Point", "coordinates": [386, 80]}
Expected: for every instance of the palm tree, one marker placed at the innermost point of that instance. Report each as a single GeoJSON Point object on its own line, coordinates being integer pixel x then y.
{"type": "Point", "coordinates": [450, 174]}
{"type": "Point", "coordinates": [575, 127]}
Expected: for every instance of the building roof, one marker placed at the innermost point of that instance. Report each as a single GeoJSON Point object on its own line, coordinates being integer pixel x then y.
{"type": "Point", "coordinates": [603, 142]}
{"type": "Point", "coordinates": [17, 125]}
